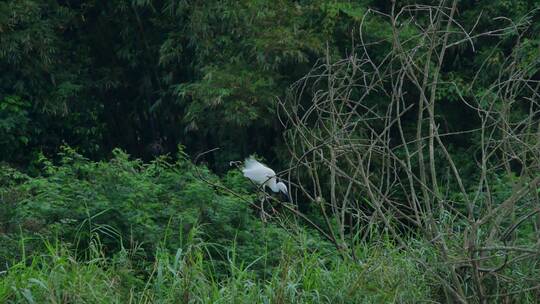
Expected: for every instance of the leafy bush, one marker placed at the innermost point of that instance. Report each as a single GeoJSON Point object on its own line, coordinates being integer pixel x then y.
{"type": "Point", "coordinates": [127, 204]}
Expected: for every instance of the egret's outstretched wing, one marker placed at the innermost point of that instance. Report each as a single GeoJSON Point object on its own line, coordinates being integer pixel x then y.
{"type": "Point", "coordinates": [256, 171]}
{"type": "Point", "coordinates": [251, 163]}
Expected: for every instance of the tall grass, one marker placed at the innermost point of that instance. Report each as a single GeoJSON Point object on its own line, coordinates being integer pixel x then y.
{"type": "Point", "coordinates": [384, 275]}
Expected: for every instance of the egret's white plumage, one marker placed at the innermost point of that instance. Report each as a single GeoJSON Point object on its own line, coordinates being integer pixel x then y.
{"type": "Point", "coordinates": [262, 175]}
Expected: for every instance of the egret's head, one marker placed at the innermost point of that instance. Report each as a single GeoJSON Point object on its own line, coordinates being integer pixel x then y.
{"type": "Point", "coordinates": [283, 189]}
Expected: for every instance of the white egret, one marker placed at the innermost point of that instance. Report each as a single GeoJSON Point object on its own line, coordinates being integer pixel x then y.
{"type": "Point", "coordinates": [262, 175]}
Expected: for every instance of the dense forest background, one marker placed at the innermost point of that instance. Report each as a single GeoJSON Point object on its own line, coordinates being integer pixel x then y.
{"type": "Point", "coordinates": [105, 105]}
{"type": "Point", "coordinates": [145, 76]}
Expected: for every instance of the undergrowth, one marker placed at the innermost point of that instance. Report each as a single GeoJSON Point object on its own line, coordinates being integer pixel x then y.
{"type": "Point", "coordinates": [123, 231]}
{"type": "Point", "coordinates": [384, 275]}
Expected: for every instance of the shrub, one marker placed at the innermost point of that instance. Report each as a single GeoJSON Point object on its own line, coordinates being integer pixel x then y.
{"type": "Point", "coordinates": [128, 204]}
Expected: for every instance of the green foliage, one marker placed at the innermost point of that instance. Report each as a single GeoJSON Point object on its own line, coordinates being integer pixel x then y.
{"type": "Point", "coordinates": [144, 75]}
{"type": "Point", "coordinates": [14, 126]}
{"type": "Point", "coordinates": [300, 276]}
{"type": "Point", "coordinates": [49, 83]}
{"type": "Point", "coordinates": [170, 71]}
{"type": "Point", "coordinates": [58, 277]}
{"type": "Point", "coordinates": [126, 203]}
{"type": "Point", "coordinates": [125, 231]}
